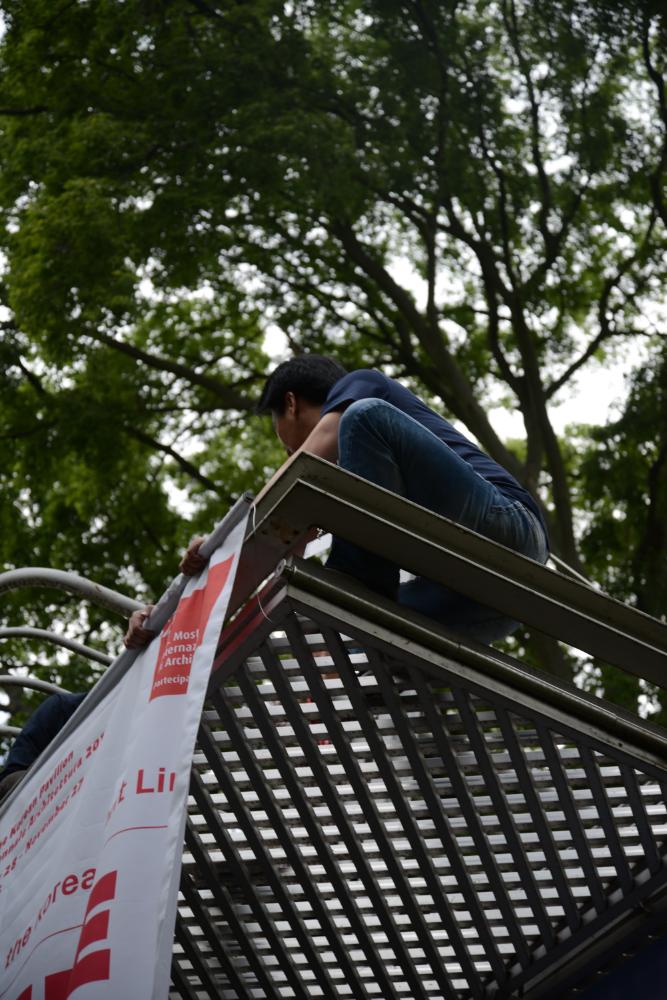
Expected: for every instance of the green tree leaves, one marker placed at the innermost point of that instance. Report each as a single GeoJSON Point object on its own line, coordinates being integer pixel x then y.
{"type": "Point", "coordinates": [469, 194]}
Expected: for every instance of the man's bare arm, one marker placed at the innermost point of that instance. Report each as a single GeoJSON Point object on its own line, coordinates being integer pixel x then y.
{"type": "Point", "coordinates": [322, 441]}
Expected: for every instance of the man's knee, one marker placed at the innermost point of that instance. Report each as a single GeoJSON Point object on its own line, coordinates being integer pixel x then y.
{"type": "Point", "coordinates": [363, 411]}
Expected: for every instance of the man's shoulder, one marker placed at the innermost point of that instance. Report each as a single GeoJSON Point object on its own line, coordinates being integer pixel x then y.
{"type": "Point", "coordinates": [363, 383]}
{"type": "Point", "coordinates": [367, 375]}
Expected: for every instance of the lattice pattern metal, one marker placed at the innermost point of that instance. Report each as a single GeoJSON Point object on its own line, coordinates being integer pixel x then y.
{"type": "Point", "coordinates": [362, 826]}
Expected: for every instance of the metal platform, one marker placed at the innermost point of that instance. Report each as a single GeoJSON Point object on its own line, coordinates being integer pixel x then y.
{"type": "Point", "coordinates": [379, 810]}
{"type": "Point", "coordinates": [370, 817]}
{"type": "Point", "coordinates": [313, 492]}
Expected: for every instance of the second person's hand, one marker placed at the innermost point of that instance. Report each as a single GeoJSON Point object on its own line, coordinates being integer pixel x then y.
{"type": "Point", "coordinates": [192, 563]}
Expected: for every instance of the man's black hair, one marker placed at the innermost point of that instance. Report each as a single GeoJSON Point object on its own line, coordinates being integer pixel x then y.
{"type": "Point", "coordinates": [309, 376]}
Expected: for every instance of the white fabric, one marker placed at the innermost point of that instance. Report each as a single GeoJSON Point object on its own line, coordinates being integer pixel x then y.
{"type": "Point", "coordinates": [90, 850]}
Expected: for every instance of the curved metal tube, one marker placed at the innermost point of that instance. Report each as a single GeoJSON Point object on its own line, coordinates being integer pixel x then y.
{"type": "Point", "coordinates": [26, 632]}
{"type": "Point", "coordinates": [59, 579]}
{"type": "Point", "coordinates": [14, 680]}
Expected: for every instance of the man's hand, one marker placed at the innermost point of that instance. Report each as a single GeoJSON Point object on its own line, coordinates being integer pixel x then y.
{"type": "Point", "coordinates": [192, 563]}
{"type": "Point", "coordinates": [137, 636]}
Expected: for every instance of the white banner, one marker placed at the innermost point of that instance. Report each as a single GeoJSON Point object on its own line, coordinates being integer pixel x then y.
{"type": "Point", "coordinates": [91, 844]}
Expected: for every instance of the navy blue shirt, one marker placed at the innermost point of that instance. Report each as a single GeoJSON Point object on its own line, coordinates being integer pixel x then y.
{"type": "Point", "coordinates": [44, 723]}
{"type": "Point", "coordinates": [372, 384]}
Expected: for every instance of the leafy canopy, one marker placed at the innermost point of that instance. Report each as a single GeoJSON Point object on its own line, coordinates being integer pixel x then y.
{"type": "Point", "coordinates": [469, 194]}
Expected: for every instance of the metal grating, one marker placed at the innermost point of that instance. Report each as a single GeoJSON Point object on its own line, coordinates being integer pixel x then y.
{"type": "Point", "coordinates": [365, 822]}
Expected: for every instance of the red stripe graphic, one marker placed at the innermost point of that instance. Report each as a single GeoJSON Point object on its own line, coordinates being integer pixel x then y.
{"type": "Point", "coordinates": [94, 967]}
{"type": "Point", "coordinates": [56, 986]}
{"type": "Point", "coordinates": [95, 929]}
{"type": "Point", "coordinates": [103, 890]}
{"type": "Point", "coordinates": [185, 632]}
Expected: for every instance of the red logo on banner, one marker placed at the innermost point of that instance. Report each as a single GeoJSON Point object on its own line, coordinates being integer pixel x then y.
{"type": "Point", "coordinates": [184, 633]}
{"type": "Point", "coordinates": [95, 966]}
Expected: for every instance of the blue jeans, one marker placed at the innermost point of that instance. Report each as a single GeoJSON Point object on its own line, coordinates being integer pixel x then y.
{"type": "Point", "coordinates": [386, 446]}
{"type": "Point", "coordinates": [43, 725]}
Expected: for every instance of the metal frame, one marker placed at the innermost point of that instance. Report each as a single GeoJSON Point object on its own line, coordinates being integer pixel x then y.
{"type": "Point", "coordinates": [435, 819]}
{"type": "Point", "coordinates": [27, 632]}
{"type": "Point", "coordinates": [34, 683]}
{"type": "Point", "coordinates": [311, 492]}
{"type": "Point", "coordinates": [160, 614]}
{"type": "Point", "coordinates": [18, 578]}
{"type": "Point", "coordinates": [500, 842]}
{"type": "Point", "coordinates": [39, 576]}
{"type": "Point", "coordinates": [314, 493]}
{"type": "Point", "coordinates": [565, 700]}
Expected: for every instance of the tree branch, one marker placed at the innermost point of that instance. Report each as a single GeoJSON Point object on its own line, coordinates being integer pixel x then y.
{"type": "Point", "coordinates": [557, 239]}
{"type": "Point", "coordinates": [605, 331]}
{"type": "Point", "coordinates": [493, 338]}
{"type": "Point", "coordinates": [37, 429]}
{"type": "Point", "coordinates": [655, 176]}
{"type": "Point", "coordinates": [204, 9]}
{"type": "Point", "coordinates": [458, 393]}
{"type": "Point", "coordinates": [511, 24]}
{"type": "Point", "coordinates": [34, 381]}
{"type": "Point", "coordinates": [187, 467]}
{"type": "Point", "coordinates": [38, 109]}
{"type": "Point", "coordinates": [230, 399]}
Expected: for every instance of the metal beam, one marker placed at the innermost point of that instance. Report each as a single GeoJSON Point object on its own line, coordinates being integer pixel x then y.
{"type": "Point", "coordinates": [12, 680]}
{"type": "Point", "coordinates": [59, 579]}
{"type": "Point", "coordinates": [500, 787]}
{"type": "Point", "coordinates": [34, 683]}
{"type": "Point", "coordinates": [314, 493]}
{"type": "Point", "coordinates": [314, 591]}
{"type": "Point", "coordinates": [26, 632]}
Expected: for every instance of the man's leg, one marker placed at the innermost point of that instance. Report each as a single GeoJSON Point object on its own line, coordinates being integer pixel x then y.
{"type": "Point", "coordinates": [389, 448]}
